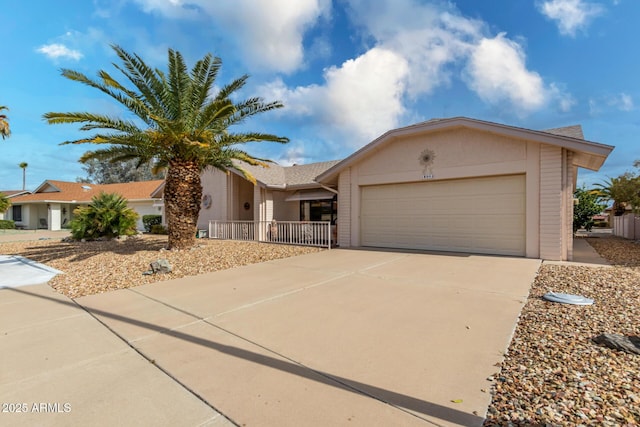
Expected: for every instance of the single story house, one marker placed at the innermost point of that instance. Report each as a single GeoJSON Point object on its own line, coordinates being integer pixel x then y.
{"type": "Point", "coordinates": [51, 205]}
{"type": "Point", "coordinates": [455, 184]}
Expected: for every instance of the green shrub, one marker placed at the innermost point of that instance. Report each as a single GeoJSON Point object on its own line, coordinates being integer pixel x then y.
{"type": "Point", "coordinates": [150, 220]}
{"type": "Point", "coordinates": [106, 216]}
{"type": "Point", "coordinates": [158, 229]}
{"type": "Point", "coordinates": [7, 224]}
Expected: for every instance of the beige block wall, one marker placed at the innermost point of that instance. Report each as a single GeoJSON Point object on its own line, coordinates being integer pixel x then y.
{"type": "Point", "coordinates": [552, 216]}
{"type": "Point", "coordinates": [344, 209]}
{"type": "Point", "coordinates": [464, 153]}
{"type": "Point", "coordinates": [214, 183]}
{"type": "Point", "coordinates": [283, 210]}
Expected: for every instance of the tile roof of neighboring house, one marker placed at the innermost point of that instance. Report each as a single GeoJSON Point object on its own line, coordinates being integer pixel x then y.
{"type": "Point", "coordinates": [288, 176]}
{"type": "Point", "coordinates": [62, 191]}
{"type": "Point", "coordinates": [13, 193]}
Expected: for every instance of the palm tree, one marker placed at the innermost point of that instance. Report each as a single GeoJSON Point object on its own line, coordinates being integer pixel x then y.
{"type": "Point", "coordinates": [180, 126]}
{"type": "Point", "coordinates": [622, 191]}
{"type": "Point", "coordinates": [23, 166]}
{"type": "Point", "coordinates": [5, 131]}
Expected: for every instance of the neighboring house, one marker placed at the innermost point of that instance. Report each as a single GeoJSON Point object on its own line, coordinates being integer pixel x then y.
{"type": "Point", "coordinates": [51, 205]}
{"type": "Point", "coordinates": [456, 184]}
{"type": "Point", "coordinates": [9, 194]}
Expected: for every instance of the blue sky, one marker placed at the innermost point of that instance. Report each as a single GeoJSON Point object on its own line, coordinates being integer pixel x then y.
{"type": "Point", "coordinates": [347, 71]}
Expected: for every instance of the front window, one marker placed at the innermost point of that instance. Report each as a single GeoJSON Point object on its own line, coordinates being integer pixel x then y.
{"type": "Point", "coordinates": [318, 210]}
{"type": "Point", "coordinates": [16, 213]}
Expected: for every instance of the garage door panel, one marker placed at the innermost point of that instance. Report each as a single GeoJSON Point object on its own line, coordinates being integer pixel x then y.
{"type": "Point", "coordinates": [483, 215]}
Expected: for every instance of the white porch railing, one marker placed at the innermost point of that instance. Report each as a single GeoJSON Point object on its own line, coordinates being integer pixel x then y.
{"type": "Point", "coordinates": [307, 233]}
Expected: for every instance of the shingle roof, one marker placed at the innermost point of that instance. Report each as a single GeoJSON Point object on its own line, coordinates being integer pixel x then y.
{"type": "Point", "coordinates": [306, 174]}
{"type": "Point", "coordinates": [289, 176]}
{"type": "Point", "coordinates": [574, 131]}
{"type": "Point", "coordinates": [272, 175]}
{"type": "Point", "coordinates": [63, 191]}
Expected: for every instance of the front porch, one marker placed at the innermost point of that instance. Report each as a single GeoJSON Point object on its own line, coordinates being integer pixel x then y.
{"type": "Point", "coordinates": [303, 233]}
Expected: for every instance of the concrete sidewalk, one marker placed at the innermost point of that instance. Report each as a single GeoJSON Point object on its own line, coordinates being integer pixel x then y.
{"type": "Point", "coordinates": [60, 367]}
{"type": "Point", "coordinates": [338, 337]}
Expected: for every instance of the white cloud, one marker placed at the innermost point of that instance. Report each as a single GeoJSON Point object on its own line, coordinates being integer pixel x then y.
{"type": "Point", "coordinates": [431, 38]}
{"type": "Point", "coordinates": [566, 102]}
{"type": "Point", "coordinates": [358, 101]}
{"type": "Point", "coordinates": [57, 51]}
{"type": "Point", "coordinates": [497, 73]}
{"type": "Point", "coordinates": [366, 93]}
{"type": "Point", "coordinates": [605, 104]}
{"type": "Point", "coordinates": [570, 15]}
{"type": "Point", "coordinates": [623, 102]}
{"type": "Point", "coordinates": [269, 32]}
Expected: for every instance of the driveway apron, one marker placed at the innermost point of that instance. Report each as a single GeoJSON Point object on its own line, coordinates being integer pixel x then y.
{"type": "Point", "coordinates": [338, 337]}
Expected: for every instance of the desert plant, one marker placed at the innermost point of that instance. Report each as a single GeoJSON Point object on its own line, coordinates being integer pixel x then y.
{"type": "Point", "coordinates": [183, 122]}
{"type": "Point", "coordinates": [106, 216]}
{"type": "Point", "coordinates": [158, 229]}
{"type": "Point", "coordinates": [150, 220]}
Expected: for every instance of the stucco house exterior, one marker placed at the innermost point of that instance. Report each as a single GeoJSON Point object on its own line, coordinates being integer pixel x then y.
{"type": "Point", "coordinates": [456, 184]}
{"type": "Point", "coordinates": [51, 205]}
{"type": "Point", "coordinates": [9, 194]}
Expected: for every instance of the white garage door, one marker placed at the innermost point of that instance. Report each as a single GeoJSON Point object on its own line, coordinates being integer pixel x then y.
{"type": "Point", "coordinates": [480, 215]}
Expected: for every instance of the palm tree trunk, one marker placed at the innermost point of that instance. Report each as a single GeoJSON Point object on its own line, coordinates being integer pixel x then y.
{"type": "Point", "coordinates": [182, 198]}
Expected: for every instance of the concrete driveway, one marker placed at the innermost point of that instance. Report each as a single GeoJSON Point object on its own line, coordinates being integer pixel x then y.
{"type": "Point", "coordinates": [340, 337]}
{"type": "Point", "coordinates": [334, 338]}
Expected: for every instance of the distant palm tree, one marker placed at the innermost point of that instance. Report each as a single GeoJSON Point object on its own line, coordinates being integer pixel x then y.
{"type": "Point", "coordinates": [23, 166]}
{"type": "Point", "coordinates": [181, 126]}
{"type": "Point", "coordinates": [5, 131]}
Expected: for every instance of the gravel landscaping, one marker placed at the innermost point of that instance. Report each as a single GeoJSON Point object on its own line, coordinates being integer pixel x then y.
{"type": "Point", "coordinates": [553, 373]}
{"type": "Point", "coordinates": [101, 266]}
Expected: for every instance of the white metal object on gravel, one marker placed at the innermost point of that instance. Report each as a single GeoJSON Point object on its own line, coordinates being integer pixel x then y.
{"type": "Point", "coordinates": [567, 298]}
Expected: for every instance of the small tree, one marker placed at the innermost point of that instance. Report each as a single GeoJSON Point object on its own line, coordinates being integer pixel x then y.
{"type": "Point", "coordinates": [106, 216]}
{"type": "Point", "coordinates": [4, 203]}
{"type": "Point", "coordinates": [100, 172]}
{"type": "Point", "coordinates": [588, 206]}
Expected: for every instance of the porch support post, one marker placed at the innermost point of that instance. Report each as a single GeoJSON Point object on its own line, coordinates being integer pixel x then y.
{"type": "Point", "coordinates": [54, 217]}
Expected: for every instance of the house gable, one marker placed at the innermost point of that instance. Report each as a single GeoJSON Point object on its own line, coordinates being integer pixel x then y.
{"type": "Point", "coordinates": [454, 153]}
{"type": "Point", "coordinates": [590, 155]}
